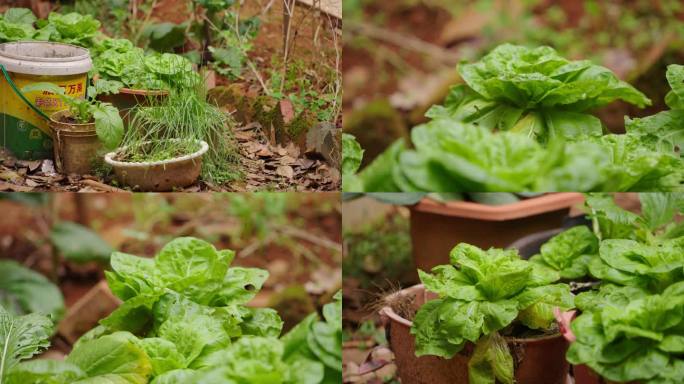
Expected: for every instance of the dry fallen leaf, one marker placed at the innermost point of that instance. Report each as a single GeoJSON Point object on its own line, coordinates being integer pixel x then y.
{"type": "Point", "coordinates": [12, 176]}
{"type": "Point", "coordinates": [285, 171]}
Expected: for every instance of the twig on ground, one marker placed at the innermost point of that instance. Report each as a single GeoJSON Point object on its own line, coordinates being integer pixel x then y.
{"type": "Point", "coordinates": [402, 41]}
{"type": "Point", "coordinates": [312, 238]}
{"type": "Point", "coordinates": [256, 245]}
{"type": "Point", "coordinates": [101, 186]}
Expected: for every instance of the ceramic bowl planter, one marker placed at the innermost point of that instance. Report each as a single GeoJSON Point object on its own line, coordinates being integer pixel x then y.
{"type": "Point", "coordinates": [158, 176]}
{"type": "Point", "coordinates": [75, 145]}
{"type": "Point", "coordinates": [436, 227]}
{"type": "Point", "coordinates": [538, 360]}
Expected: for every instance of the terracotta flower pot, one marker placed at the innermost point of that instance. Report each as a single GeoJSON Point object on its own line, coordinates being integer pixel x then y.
{"type": "Point", "coordinates": [159, 176]}
{"type": "Point", "coordinates": [585, 375]}
{"type": "Point", "coordinates": [436, 227]}
{"type": "Point", "coordinates": [539, 360]}
{"type": "Point", "coordinates": [75, 145]}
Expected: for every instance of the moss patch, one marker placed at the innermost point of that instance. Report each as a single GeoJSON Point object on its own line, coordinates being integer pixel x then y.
{"type": "Point", "coordinates": [376, 126]}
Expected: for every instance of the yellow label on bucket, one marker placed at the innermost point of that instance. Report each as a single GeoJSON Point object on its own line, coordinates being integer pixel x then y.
{"type": "Point", "coordinates": [24, 132]}
{"type": "Point", "coordinates": [49, 103]}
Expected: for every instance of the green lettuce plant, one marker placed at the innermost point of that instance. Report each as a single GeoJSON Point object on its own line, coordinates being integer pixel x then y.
{"type": "Point", "coordinates": [569, 253]}
{"type": "Point", "coordinates": [115, 358]}
{"type": "Point", "coordinates": [655, 223]}
{"type": "Point", "coordinates": [522, 122]}
{"type": "Point", "coordinates": [21, 337]}
{"type": "Point", "coordinates": [19, 24]}
{"type": "Point", "coordinates": [71, 28]}
{"type": "Point", "coordinates": [644, 250]}
{"type": "Point", "coordinates": [666, 127]}
{"type": "Point", "coordinates": [117, 64]}
{"type": "Point", "coordinates": [482, 294]}
{"type": "Point", "coordinates": [184, 320]}
{"type": "Point", "coordinates": [651, 266]}
{"type": "Point", "coordinates": [23, 291]}
{"type": "Point", "coordinates": [451, 156]}
{"type": "Point", "coordinates": [318, 340]}
{"type": "Point", "coordinates": [537, 92]}
{"type": "Point", "coordinates": [108, 123]}
{"type": "Point", "coordinates": [608, 295]}
{"type": "Point", "coordinates": [188, 281]}
{"type": "Point", "coordinates": [632, 339]}
{"type": "Point", "coordinates": [352, 154]}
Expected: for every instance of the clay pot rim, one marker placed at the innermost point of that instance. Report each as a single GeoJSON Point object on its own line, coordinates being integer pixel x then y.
{"type": "Point", "coordinates": [109, 158]}
{"type": "Point", "coordinates": [137, 91]}
{"type": "Point", "coordinates": [57, 125]}
{"type": "Point", "coordinates": [144, 92]}
{"type": "Point", "coordinates": [524, 208]}
{"type": "Point", "coordinates": [417, 289]}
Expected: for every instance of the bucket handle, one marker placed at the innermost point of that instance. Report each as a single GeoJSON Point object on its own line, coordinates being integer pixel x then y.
{"type": "Point", "coordinates": [21, 95]}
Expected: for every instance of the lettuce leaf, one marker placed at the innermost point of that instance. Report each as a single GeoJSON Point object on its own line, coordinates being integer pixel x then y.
{"type": "Point", "coordinates": [22, 337]}
{"type": "Point", "coordinates": [352, 154]}
{"type": "Point", "coordinates": [491, 361]}
{"type": "Point", "coordinates": [313, 343]}
{"type": "Point", "coordinates": [45, 372]}
{"type": "Point", "coordinates": [628, 262]}
{"type": "Point", "coordinates": [10, 31]}
{"type": "Point", "coordinates": [639, 341]}
{"type": "Point", "coordinates": [480, 293]}
{"type": "Point", "coordinates": [187, 303]}
{"type": "Point", "coordinates": [608, 295]}
{"type": "Point", "coordinates": [19, 16]}
{"type": "Point", "coordinates": [656, 222]}
{"type": "Point", "coordinates": [666, 127]}
{"type": "Point", "coordinates": [256, 360]}
{"type": "Point", "coordinates": [522, 122]}
{"type": "Point", "coordinates": [74, 28]}
{"type": "Point", "coordinates": [569, 252]}
{"type": "Point", "coordinates": [115, 358]}
{"type": "Point", "coordinates": [537, 91]}
{"type": "Point", "coordinates": [24, 291]}
{"type": "Point", "coordinates": [450, 156]}
{"type": "Point", "coordinates": [675, 77]}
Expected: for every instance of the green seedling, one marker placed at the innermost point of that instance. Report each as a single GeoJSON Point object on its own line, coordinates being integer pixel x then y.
{"type": "Point", "coordinates": [108, 123]}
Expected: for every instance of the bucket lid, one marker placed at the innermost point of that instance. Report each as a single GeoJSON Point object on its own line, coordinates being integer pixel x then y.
{"type": "Point", "coordinates": [44, 58]}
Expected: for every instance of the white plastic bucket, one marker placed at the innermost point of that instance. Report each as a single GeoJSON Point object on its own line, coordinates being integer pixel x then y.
{"type": "Point", "coordinates": [23, 117]}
